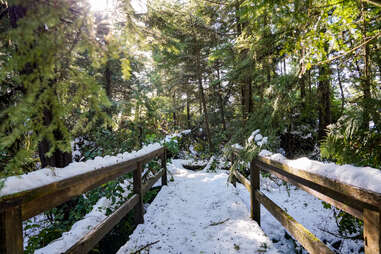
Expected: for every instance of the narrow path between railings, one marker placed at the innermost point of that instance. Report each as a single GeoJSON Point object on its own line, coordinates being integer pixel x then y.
{"type": "Point", "coordinates": [198, 212]}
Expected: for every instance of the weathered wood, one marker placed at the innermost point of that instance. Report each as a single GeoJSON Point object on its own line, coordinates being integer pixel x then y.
{"type": "Point", "coordinates": [148, 157]}
{"type": "Point", "coordinates": [164, 180]}
{"type": "Point", "coordinates": [34, 201]}
{"type": "Point", "coordinates": [139, 208]}
{"type": "Point", "coordinates": [11, 234]}
{"type": "Point", "coordinates": [346, 199]}
{"type": "Point", "coordinates": [64, 190]}
{"type": "Point", "coordinates": [360, 194]}
{"type": "Point", "coordinates": [242, 179]}
{"type": "Point", "coordinates": [151, 181]}
{"type": "Point", "coordinates": [321, 192]}
{"type": "Point", "coordinates": [372, 231]}
{"type": "Point", "coordinates": [86, 243]}
{"type": "Point", "coordinates": [62, 184]}
{"type": "Point", "coordinates": [255, 206]}
{"type": "Point", "coordinates": [309, 241]}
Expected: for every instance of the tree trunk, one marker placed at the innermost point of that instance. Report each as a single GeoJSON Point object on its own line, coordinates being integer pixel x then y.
{"type": "Point", "coordinates": [188, 112]}
{"type": "Point", "coordinates": [324, 101]}
{"type": "Point", "coordinates": [245, 80]}
{"type": "Point", "coordinates": [108, 80]}
{"type": "Point", "coordinates": [341, 90]}
{"type": "Point", "coordinates": [243, 102]}
{"type": "Point", "coordinates": [365, 75]}
{"type": "Point", "coordinates": [302, 83]}
{"type": "Point", "coordinates": [220, 100]}
{"type": "Point", "coordinates": [59, 158]}
{"type": "Point", "coordinates": [174, 110]}
{"type": "Point", "coordinates": [203, 101]}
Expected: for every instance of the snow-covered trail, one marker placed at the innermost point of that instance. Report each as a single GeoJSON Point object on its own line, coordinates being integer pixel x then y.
{"type": "Point", "coordinates": [198, 213]}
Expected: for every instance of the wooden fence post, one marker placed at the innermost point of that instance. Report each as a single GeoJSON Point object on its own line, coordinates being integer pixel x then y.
{"type": "Point", "coordinates": [372, 231]}
{"type": "Point", "coordinates": [11, 232]}
{"type": "Point", "coordinates": [139, 208]}
{"type": "Point", "coordinates": [164, 180]}
{"type": "Point", "coordinates": [233, 178]}
{"type": "Point", "coordinates": [255, 205]}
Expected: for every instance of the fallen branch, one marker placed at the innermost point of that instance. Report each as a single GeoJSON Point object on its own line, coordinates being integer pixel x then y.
{"type": "Point", "coordinates": [144, 247]}
{"type": "Point", "coordinates": [218, 223]}
{"type": "Point", "coordinates": [355, 237]}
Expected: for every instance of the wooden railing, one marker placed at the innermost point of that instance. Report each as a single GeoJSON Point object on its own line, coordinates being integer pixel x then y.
{"type": "Point", "coordinates": [16, 208]}
{"type": "Point", "coordinates": [361, 203]}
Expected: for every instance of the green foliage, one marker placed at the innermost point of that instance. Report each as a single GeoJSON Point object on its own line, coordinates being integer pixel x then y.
{"type": "Point", "coordinates": [41, 63]}
{"type": "Point", "coordinates": [349, 141]}
{"type": "Point", "coordinates": [172, 146]}
{"type": "Point", "coordinates": [348, 225]}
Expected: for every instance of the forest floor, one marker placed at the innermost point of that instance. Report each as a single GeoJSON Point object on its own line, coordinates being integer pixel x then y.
{"type": "Point", "coordinates": [199, 212]}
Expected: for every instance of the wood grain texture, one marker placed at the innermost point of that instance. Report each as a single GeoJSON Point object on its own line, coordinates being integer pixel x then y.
{"type": "Point", "coordinates": [372, 231]}
{"type": "Point", "coordinates": [371, 198]}
{"type": "Point", "coordinates": [151, 181]}
{"type": "Point", "coordinates": [86, 243]}
{"type": "Point", "coordinates": [11, 234]}
{"type": "Point", "coordinates": [60, 193]}
{"type": "Point", "coordinates": [138, 190]}
{"type": "Point", "coordinates": [308, 240]}
{"type": "Point", "coordinates": [255, 206]}
{"type": "Point", "coordinates": [164, 179]}
{"type": "Point", "coordinates": [242, 179]}
{"type": "Point", "coordinates": [327, 195]}
{"type": "Point", "coordinates": [16, 207]}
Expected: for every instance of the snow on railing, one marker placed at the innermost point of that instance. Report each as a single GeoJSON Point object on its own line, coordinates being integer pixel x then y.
{"type": "Point", "coordinates": [28, 195]}
{"type": "Point", "coordinates": [362, 177]}
{"type": "Point", "coordinates": [354, 190]}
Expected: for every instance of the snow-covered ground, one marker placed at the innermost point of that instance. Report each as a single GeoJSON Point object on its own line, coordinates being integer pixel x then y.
{"type": "Point", "coordinates": [198, 213]}
{"type": "Point", "coordinates": [179, 219]}
{"type": "Point", "coordinates": [304, 208]}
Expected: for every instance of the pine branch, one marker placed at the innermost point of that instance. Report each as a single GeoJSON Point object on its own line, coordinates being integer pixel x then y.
{"type": "Point", "coordinates": [350, 51]}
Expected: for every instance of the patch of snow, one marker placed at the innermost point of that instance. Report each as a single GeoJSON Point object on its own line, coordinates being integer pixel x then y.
{"type": "Point", "coordinates": [253, 134]}
{"type": "Point", "coordinates": [207, 167]}
{"type": "Point", "coordinates": [309, 135]}
{"type": "Point", "coordinates": [371, 125]}
{"type": "Point", "coordinates": [262, 142]}
{"type": "Point", "coordinates": [82, 227]}
{"type": "Point", "coordinates": [265, 153]}
{"type": "Point", "coordinates": [33, 226]}
{"type": "Point", "coordinates": [258, 137]}
{"type": "Point", "coordinates": [191, 149]}
{"type": "Point", "coordinates": [237, 146]}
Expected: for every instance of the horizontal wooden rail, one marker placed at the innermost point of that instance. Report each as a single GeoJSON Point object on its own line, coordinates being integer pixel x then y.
{"type": "Point", "coordinates": [359, 202]}
{"type": "Point", "coordinates": [15, 208]}
{"type": "Point", "coordinates": [86, 243]}
{"type": "Point", "coordinates": [367, 198]}
{"type": "Point", "coordinates": [151, 181]}
{"type": "Point", "coordinates": [309, 241]}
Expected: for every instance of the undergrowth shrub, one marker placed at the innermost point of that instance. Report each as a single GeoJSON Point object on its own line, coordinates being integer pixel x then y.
{"type": "Point", "coordinates": [348, 141]}
{"type": "Point", "coordinates": [100, 143]}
